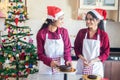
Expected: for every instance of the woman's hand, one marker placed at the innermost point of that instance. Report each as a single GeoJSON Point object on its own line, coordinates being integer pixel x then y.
{"type": "Point", "coordinates": [53, 63]}
{"type": "Point", "coordinates": [68, 63]}
{"type": "Point", "coordinates": [91, 62]}
{"type": "Point", "coordinates": [85, 62]}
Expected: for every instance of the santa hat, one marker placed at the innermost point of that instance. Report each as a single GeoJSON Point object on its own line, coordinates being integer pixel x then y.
{"type": "Point", "coordinates": [54, 12]}
{"type": "Point", "coordinates": [101, 14]}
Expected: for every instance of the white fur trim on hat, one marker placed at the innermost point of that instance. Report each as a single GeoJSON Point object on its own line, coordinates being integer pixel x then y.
{"type": "Point", "coordinates": [58, 15]}
{"type": "Point", "coordinates": [50, 17]}
{"type": "Point", "coordinates": [97, 14]}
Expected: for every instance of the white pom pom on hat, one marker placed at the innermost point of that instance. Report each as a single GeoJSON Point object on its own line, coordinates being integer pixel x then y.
{"type": "Point", "coordinates": [54, 12]}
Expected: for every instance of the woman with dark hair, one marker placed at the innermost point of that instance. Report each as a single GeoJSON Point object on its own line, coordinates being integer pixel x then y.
{"type": "Point", "coordinates": [92, 44]}
{"type": "Point", "coordinates": [53, 43]}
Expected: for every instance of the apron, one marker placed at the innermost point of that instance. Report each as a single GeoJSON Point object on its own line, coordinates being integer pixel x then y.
{"type": "Point", "coordinates": [91, 50]}
{"type": "Point", "coordinates": [54, 48]}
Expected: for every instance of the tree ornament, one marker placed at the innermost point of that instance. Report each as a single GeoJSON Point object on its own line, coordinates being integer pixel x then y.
{"type": "Point", "coordinates": [16, 20]}
{"type": "Point", "coordinates": [11, 59]}
{"type": "Point", "coordinates": [30, 41]}
{"type": "Point", "coordinates": [9, 15]}
{"type": "Point", "coordinates": [27, 58]}
{"type": "Point", "coordinates": [26, 66]}
{"type": "Point", "coordinates": [9, 55]}
{"type": "Point", "coordinates": [30, 65]}
{"type": "Point", "coordinates": [28, 70]}
{"type": "Point", "coordinates": [22, 56]}
{"type": "Point", "coordinates": [6, 76]}
{"type": "Point", "coordinates": [17, 55]}
{"type": "Point", "coordinates": [24, 38]}
{"type": "Point", "coordinates": [3, 40]}
{"type": "Point", "coordinates": [7, 61]}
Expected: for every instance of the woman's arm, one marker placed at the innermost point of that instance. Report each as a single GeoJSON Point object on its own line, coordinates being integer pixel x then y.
{"type": "Point", "coordinates": [67, 46]}
{"type": "Point", "coordinates": [40, 49]}
{"type": "Point", "coordinates": [78, 45]}
{"type": "Point", "coordinates": [105, 49]}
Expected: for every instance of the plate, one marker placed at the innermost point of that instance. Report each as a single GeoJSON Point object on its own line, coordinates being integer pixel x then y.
{"type": "Point", "coordinates": [72, 70]}
{"type": "Point", "coordinates": [86, 77]}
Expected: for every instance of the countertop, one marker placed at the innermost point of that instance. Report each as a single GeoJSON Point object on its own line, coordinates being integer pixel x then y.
{"type": "Point", "coordinates": [61, 76]}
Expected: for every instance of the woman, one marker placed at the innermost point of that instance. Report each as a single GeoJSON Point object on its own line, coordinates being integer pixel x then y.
{"type": "Point", "coordinates": [92, 44]}
{"type": "Point", "coordinates": [53, 43]}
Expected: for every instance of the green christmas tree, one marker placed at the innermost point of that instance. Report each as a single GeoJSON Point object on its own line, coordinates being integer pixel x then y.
{"type": "Point", "coordinates": [18, 56]}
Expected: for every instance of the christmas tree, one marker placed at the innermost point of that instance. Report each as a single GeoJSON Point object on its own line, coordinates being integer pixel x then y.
{"type": "Point", "coordinates": [18, 56]}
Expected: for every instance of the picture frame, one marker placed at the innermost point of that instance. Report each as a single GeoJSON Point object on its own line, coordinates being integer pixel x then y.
{"type": "Point", "coordinates": [4, 7]}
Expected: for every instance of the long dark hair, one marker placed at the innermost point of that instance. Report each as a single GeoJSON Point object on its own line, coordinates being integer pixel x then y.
{"type": "Point", "coordinates": [47, 23]}
{"type": "Point", "coordinates": [100, 24]}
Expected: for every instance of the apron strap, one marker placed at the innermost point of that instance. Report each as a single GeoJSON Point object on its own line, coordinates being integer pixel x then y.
{"type": "Point", "coordinates": [98, 36]}
{"type": "Point", "coordinates": [47, 36]}
{"type": "Point", "coordinates": [86, 35]}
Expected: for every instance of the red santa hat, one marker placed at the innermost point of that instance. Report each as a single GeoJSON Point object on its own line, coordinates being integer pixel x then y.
{"type": "Point", "coordinates": [101, 14]}
{"type": "Point", "coordinates": [54, 12]}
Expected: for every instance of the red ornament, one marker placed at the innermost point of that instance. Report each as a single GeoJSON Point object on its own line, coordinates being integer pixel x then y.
{"type": "Point", "coordinates": [18, 13]}
{"type": "Point", "coordinates": [3, 40]}
{"type": "Point", "coordinates": [28, 34]}
{"type": "Point", "coordinates": [20, 0]}
{"type": "Point", "coordinates": [24, 38]}
{"type": "Point", "coordinates": [22, 56]}
{"type": "Point", "coordinates": [26, 63]}
{"type": "Point", "coordinates": [16, 20]}
{"type": "Point", "coordinates": [14, 75]}
{"type": "Point", "coordinates": [6, 76]}
{"type": "Point", "coordinates": [28, 70]}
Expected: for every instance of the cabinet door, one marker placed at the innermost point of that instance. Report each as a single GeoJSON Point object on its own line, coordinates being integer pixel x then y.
{"type": "Point", "coordinates": [107, 69]}
{"type": "Point", "coordinates": [88, 4]}
{"type": "Point", "coordinates": [104, 4]}
{"type": "Point", "coordinates": [109, 4]}
{"type": "Point", "coordinates": [115, 70]}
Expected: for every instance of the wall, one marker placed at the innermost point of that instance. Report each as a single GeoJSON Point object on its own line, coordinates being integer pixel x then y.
{"type": "Point", "coordinates": [37, 13]}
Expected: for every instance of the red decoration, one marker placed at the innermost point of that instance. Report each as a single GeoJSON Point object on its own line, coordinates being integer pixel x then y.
{"type": "Point", "coordinates": [3, 40]}
{"type": "Point", "coordinates": [20, 0]}
{"type": "Point", "coordinates": [18, 13]}
{"type": "Point", "coordinates": [14, 75]}
{"type": "Point", "coordinates": [6, 76]}
{"type": "Point", "coordinates": [16, 20]}
{"type": "Point", "coordinates": [22, 56]}
{"type": "Point", "coordinates": [24, 38]}
{"type": "Point", "coordinates": [28, 70]}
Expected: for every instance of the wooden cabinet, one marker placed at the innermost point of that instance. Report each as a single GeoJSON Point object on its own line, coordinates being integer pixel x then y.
{"type": "Point", "coordinates": [111, 6]}
{"type": "Point", "coordinates": [112, 70]}
{"type": "Point", "coordinates": [104, 4]}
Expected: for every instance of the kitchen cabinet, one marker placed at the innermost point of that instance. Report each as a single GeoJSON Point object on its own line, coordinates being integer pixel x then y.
{"type": "Point", "coordinates": [112, 70]}
{"type": "Point", "coordinates": [104, 4]}
{"type": "Point", "coordinates": [111, 6]}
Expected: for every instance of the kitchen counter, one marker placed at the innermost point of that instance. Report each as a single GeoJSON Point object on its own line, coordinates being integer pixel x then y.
{"type": "Point", "coordinates": [61, 76]}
